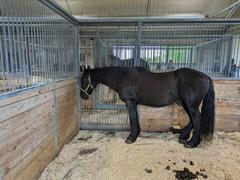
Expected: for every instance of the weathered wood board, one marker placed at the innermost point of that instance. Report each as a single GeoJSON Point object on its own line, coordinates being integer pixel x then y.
{"type": "Point", "coordinates": [34, 126]}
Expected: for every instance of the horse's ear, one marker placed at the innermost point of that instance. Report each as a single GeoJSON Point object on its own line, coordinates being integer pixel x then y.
{"type": "Point", "coordinates": [81, 69]}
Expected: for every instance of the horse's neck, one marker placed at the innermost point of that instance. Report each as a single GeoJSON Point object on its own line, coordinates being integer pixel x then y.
{"type": "Point", "coordinates": [107, 76]}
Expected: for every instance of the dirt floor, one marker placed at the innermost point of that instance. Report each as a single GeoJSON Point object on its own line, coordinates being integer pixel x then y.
{"type": "Point", "coordinates": [94, 155]}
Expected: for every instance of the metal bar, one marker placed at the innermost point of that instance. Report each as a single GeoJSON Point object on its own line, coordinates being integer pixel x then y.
{"type": "Point", "coordinates": [138, 47]}
{"type": "Point", "coordinates": [59, 10]}
{"type": "Point", "coordinates": [29, 89]}
{"type": "Point", "coordinates": [14, 49]}
{"type": "Point", "coordinates": [232, 11]}
{"type": "Point", "coordinates": [55, 52]}
{"type": "Point", "coordinates": [27, 56]}
{"type": "Point", "coordinates": [40, 45]}
{"type": "Point", "coordinates": [30, 40]}
{"type": "Point", "coordinates": [227, 8]}
{"type": "Point", "coordinates": [77, 59]}
{"type": "Point", "coordinates": [10, 48]}
{"type": "Point", "coordinates": [33, 49]}
{"type": "Point", "coordinates": [148, 8]}
{"type": "Point", "coordinates": [2, 55]}
{"type": "Point", "coordinates": [37, 48]}
{"type": "Point", "coordinates": [2, 64]}
{"type": "Point", "coordinates": [68, 7]}
{"type": "Point", "coordinates": [51, 40]}
{"type": "Point", "coordinates": [134, 21]}
{"type": "Point", "coordinates": [20, 59]}
{"type": "Point", "coordinates": [4, 6]}
{"type": "Point", "coordinates": [228, 55]}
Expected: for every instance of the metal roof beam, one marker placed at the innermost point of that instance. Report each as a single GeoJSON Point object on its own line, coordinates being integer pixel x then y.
{"type": "Point", "coordinates": [227, 8]}
{"type": "Point", "coordinates": [59, 10]}
{"type": "Point", "coordinates": [233, 10]}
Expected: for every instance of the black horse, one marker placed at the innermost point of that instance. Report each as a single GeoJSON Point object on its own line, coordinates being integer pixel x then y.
{"type": "Point", "coordinates": [115, 61]}
{"type": "Point", "coordinates": [186, 87]}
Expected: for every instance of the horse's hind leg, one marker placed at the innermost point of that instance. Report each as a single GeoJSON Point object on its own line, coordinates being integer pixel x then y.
{"type": "Point", "coordinates": [186, 131]}
{"type": "Point", "coordinates": [195, 115]}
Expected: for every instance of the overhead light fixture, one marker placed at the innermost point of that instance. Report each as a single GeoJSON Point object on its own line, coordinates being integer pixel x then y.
{"type": "Point", "coordinates": [165, 16]}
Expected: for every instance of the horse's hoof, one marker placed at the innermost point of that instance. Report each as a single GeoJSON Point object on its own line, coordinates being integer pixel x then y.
{"type": "Point", "coordinates": [189, 144]}
{"type": "Point", "coordinates": [130, 140]}
{"type": "Point", "coordinates": [182, 141]}
{"type": "Point", "coordinates": [174, 130]}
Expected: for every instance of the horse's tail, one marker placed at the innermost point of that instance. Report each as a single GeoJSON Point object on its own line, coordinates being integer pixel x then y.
{"type": "Point", "coordinates": [208, 113]}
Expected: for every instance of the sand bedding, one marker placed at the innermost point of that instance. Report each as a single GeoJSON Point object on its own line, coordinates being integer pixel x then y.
{"type": "Point", "coordinates": [95, 155]}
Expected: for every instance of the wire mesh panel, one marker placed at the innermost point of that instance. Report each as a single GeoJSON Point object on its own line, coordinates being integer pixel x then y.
{"type": "Point", "coordinates": [212, 48]}
{"type": "Point", "coordinates": [37, 45]}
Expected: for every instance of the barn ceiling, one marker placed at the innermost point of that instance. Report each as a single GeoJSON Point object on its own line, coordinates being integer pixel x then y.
{"type": "Point", "coordinates": [150, 8]}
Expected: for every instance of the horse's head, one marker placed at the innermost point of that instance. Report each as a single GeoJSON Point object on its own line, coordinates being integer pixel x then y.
{"type": "Point", "coordinates": [87, 85]}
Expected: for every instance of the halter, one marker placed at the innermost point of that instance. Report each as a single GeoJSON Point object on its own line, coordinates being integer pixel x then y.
{"type": "Point", "coordinates": [88, 86]}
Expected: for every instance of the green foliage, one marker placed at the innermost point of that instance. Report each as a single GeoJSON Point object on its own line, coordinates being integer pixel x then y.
{"type": "Point", "coordinates": [178, 54]}
{"type": "Point", "coordinates": [155, 59]}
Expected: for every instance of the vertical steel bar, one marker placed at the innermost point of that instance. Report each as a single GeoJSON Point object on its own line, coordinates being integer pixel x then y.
{"type": "Point", "coordinates": [23, 49]}
{"type": "Point", "coordinates": [10, 48]}
{"type": "Point", "coordinates": [40, 42]}
{"type": "Point", "coordinates": [20, 59]}
{"type": "Point", "coordinates": [38, 47]}
{"type": "Point", "coordinates": [51, 46]}
{"type": "Point", "coordinates": [138, 47]}
{"type": "Point", "coordinates": [55, 46]}
{"type": "Point", "coordinates": [28, 41]}
{"type": "Point", "coordinates": [14, 24]}
{"type": "Point", "coordinates": [1, 53]}
{"type": "Point", "coordinates": [46, 45]}
{"type": "Point", "coordinates": [32, 43]}
{"type": "Point", "coordinates": [4, 7]}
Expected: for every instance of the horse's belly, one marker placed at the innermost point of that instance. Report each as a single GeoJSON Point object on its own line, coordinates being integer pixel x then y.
{"type": "Point", "coordinates": [152, 104]}
{"type": "Point", "coordinates": [158, 101]}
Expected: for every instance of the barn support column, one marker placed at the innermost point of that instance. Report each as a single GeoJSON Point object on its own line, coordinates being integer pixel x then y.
{"type": "Point", "coordinates": [77, 59]}
{"type": "Point", "coordinates": [97, 63]}
{"type": "Point", "coordinates": [138, 45]}
{"type": "Point", "coordinates": [77, 62]}
{"type": "Point", "coordinates": [229, 57]}
{"type": "Point", "coordinates": [137, 57]}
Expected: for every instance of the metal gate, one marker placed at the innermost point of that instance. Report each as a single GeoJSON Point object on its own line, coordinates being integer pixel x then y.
{"type": "Point", "coordinates": [104, 109]}
{"type": "Point", "coordinates": [210, 47]}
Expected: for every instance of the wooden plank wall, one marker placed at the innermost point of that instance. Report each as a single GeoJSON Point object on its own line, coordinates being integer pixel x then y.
{"type": "Point", "coordinates": [34, 126]}
{"type": "Point", "coordinates": [227, 111]}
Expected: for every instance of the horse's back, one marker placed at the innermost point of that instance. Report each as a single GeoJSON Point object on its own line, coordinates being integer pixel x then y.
{"type": "Point", "coordinates": [189, 71]}
{"type": "Point", "coordinates": [185, 75]}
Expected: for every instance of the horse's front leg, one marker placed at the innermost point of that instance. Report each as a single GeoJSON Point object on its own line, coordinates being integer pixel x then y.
{"type": "Point", "coordinates": [134, 122]}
